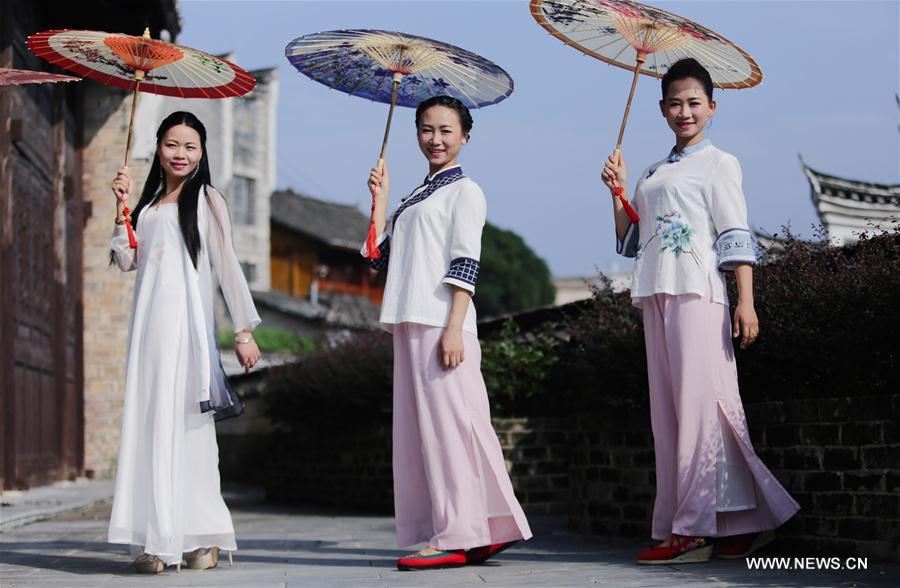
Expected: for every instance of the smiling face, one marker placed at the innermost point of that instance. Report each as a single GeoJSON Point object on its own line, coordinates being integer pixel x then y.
{"type": "Point", "coordinates": [179, 152]}
{"type": "Point", "coordinates": [687, 109]}
{"type": "Point", "coordinates": [440, 137]}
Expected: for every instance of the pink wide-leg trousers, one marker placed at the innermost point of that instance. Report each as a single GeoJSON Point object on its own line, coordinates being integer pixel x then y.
{"type": "Point", "coordinates": [451, 487]}
{"type": "Point", "coordinates": [709, 481]}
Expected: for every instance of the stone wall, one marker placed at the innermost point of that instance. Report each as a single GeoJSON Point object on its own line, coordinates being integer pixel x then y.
{"type": "Point", "coordinates": [838, 457]}
{"type": "Point", "coordinates": [353, 468]}
{"type": "Point", "coordinates": [537, 458]}
{"type": "Point", "coordinates": [107, 291]}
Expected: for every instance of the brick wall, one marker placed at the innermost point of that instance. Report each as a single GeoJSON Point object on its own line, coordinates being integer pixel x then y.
{"type": "Point", "coordinates": [537, 458]}
{"type": "Point", "coordinates": [353, 468]}
{"type": "Point", "coordinates": [839, 458]}
{"type": "Point", "coordinates": [612, 473]}
{"type": "Point", "coordinates": [349, 469]}
{"type": "Point", "coordinates": [107, 291]}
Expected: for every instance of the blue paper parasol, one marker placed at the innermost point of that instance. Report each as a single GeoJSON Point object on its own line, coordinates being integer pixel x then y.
{"type": "Point", "coordinates": [397, 68]}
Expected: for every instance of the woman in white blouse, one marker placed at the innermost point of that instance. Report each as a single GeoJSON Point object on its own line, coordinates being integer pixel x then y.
{"type": "Point", "coordinates": [167, 504]}
{"type": "Point", "coordinates": [451, 488]}
{"type": "Point", "coordinates": [693, 228]}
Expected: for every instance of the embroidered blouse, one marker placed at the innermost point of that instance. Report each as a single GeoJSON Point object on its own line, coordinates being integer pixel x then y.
{"type": "Point", "coordinates": [693, 224]}
{"type": "Point", "coordinates": [432, 242]}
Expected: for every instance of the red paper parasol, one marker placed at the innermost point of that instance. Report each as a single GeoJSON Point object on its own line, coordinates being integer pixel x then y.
{"type": "Point", "coordinates": [141, 64]}
{"type": "Point", "coordinates": [16, 77]}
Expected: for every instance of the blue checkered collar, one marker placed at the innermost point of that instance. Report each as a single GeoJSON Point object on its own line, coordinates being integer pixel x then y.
{"type": "Point", "coordinates": [449, 173]}
{"type": "Point", "coordinates": [453, 169]}
{"type": "Point", "coordinates": [431, 185]}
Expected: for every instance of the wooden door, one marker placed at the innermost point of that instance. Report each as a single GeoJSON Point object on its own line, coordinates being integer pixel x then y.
{"type": "Point", "coordinates": [41, 220]}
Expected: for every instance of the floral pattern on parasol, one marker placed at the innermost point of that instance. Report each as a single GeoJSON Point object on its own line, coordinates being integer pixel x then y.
{"type": "Point", "coordinates": [168, 69]}
{"type": "Point", "coordinates": [363, 62]}
{"type": "Point", "coordinates": [619, 31]}
{"type": "Point", "coordinates": [397, 69]}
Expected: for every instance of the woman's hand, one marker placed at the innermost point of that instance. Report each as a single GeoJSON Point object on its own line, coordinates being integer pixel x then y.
{"type": "Point", "coordinates": [121, 188]}
{"type": "Point", "coordinates": [746, 325]}
{"type": "Point", "coordinates": [452, 352]}
{"type": "Point", "coordinates": [380, 178]}
{"type": "Point", "coordinates": [247, 353]}
{"type": "Point", "coordinates": [121, 185]}
{"type": "Point", "coordinates": [615, 169]}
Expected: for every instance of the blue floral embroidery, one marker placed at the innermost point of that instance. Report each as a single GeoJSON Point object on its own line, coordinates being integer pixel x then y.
{"type": "Point", "coordinates": [675, 235]}
{"type": "Point", "coordinates": [674, 232]}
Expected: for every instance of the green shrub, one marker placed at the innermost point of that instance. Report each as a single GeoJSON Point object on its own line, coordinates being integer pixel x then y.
{"type": "Point", "coordinates": [605, 363]}
{"type": "Point", "coordinates": [828, 323]}
{"type": "Point", "coordinates": [274, 340]}
{"type": "Point", "coordinates": [345, 386]}
{"type": "Point", "coordinates": [828, 319]}
{"type": "Point", "coordinates": [517, 367]}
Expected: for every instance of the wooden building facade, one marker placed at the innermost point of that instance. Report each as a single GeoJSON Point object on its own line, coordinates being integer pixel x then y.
{"type": "Point", "coordinates": [43, 213]}
{"type": "Point", "coordinates": [315, 249]}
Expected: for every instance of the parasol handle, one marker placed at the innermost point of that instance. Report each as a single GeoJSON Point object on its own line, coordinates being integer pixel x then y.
{"type": "Point", "coordinates": [387, 127]}
{"type": "Point", "coordinates": [641, 58]}
{"type": "Point", "coordinates": [372, 251]}
{"type": "Point", "coordinates": [138, 76]}
{"type": "Point", "coordinates": [618, 191]}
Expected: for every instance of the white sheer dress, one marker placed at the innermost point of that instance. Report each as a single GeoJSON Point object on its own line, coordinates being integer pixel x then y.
{"type": "Point", "coordinates": [167, 496]}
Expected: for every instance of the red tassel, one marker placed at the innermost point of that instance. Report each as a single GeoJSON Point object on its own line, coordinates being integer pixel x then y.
{"type": "Point", "coordinates": [372, 251]}
{"type": "Point", "coordinates": [629, 210]}
{"type": "Point", "coordinates": [132, 242]}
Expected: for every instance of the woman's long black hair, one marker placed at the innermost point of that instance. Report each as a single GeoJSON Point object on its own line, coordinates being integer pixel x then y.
{"type": "Point", "coordinates": [154, 185]}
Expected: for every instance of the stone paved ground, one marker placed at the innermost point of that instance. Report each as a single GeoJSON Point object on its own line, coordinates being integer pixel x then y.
{"type": "Point", "coordinates": [281, 547]}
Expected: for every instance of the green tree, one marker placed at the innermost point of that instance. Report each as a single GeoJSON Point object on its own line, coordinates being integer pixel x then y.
{"type": "Point", "coordinates": [512, 276]}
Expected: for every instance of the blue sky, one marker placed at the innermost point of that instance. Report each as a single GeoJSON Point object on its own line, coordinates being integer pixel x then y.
{"type": "Point", "coordinates": [831, 71]}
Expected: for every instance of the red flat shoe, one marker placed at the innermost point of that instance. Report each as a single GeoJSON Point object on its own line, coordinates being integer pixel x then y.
{"type": "Point", "coordinates": [740, 546]}
{"type": "Point", "coordinates": [435, 561]}
{"type": "Point", "coordinates": [479, 555]}
{"type": "Point", "coordinates": [688, 550]}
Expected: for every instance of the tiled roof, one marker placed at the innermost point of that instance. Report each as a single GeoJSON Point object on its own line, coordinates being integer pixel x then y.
{"type": "Point", "coordinates": [853, 190]}
{"type": "Point", "coordinates": [337, 225]}
{"type": "Point", "coordinates": [847, 207]}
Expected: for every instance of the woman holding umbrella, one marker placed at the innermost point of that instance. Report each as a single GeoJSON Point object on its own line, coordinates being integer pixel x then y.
{"type": "Point", "coordinates": [451, 488]}
{"type": "Point", "coordinates": [167, 499]}
{"type": "Point", "coordinates": [693, 228]}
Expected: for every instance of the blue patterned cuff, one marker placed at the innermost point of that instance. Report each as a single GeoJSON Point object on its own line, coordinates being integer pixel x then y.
{"type": "Point", "coordinates": [734, 246]}
{"type": "Point", "coordinates": [463, 273]}
{"type": "Point", "coordinates": [382, 262]}
{"type": "Point", "coordinates": [628, 246]}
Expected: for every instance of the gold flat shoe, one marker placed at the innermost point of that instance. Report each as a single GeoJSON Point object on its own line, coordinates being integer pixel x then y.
{"type": "Point", "coordinates": [149, 564]}
{"type": "Point", "coordinates": [204, 558]}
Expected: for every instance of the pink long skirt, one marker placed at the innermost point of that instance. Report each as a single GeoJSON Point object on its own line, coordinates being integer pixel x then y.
{"type": "Point", "coordinates": [451, 487]}
{"type": "Point", "coordinates": [709, 481]}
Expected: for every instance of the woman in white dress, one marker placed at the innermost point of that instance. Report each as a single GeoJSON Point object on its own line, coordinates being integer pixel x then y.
{"type": "Point", "coordinates": [168, 504]}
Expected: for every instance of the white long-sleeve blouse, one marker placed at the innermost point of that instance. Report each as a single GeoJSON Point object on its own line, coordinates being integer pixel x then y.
{"type": "Point", "coordinates": [169, 288]}
{"type": "Point", "coordinates": [693, 224]}
{"type": "Point", "coordinates": [432, 242]}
